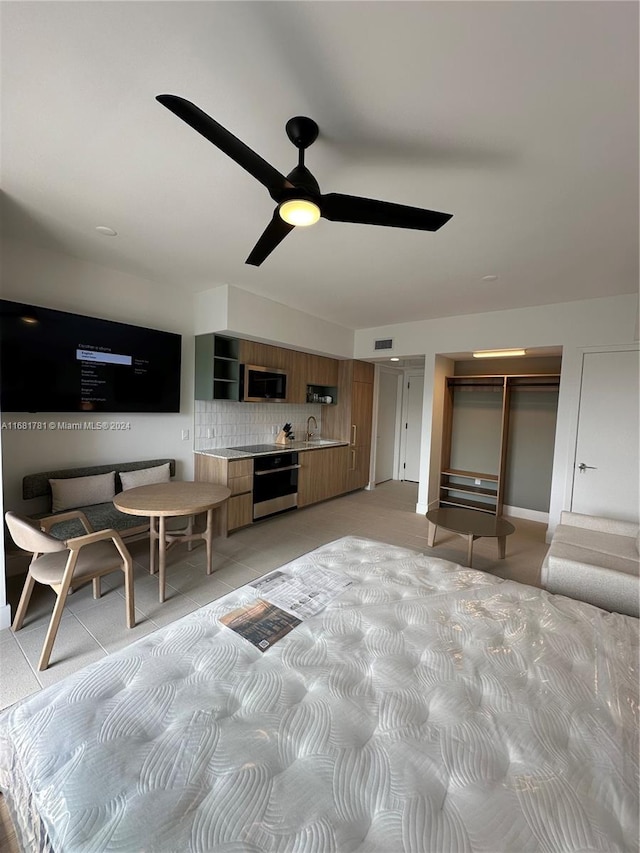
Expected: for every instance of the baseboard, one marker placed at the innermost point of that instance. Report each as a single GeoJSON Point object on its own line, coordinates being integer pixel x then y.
{"type": "Point", "coordinates": [528, 514]}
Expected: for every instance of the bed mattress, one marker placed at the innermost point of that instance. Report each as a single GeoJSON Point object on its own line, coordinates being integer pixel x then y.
{"type": "Point", "coordinates": [427, 708]}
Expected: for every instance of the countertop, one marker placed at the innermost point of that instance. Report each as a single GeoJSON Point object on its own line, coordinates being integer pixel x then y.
{"type": "Point", "coordinates": [233, 453]}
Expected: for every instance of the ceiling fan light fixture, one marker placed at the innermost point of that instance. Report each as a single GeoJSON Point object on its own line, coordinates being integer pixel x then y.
{"type": "Point", "coordinates": [499, 353]}
{"type": "Point", "coordinates": [299, 211]}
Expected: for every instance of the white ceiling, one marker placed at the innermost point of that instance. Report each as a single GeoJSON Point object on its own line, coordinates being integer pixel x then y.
{"type": "Point", "coordinates": [520, 118]}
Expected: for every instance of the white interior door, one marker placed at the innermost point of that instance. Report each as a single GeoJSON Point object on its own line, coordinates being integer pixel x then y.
{"type": "Point", "coordinates": [414, 392]}
{"type": "Point", "coordinates": [605, 480]}
{"type": "Point", "coordinates": [388, 416]}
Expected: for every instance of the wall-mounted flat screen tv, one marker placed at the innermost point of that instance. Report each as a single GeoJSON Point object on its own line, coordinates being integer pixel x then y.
{"type": "Point", "coordinates": [53, 361]}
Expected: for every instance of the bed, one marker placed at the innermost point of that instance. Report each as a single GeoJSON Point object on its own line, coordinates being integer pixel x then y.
{"type": "Point", "coordinates": [425, 708]}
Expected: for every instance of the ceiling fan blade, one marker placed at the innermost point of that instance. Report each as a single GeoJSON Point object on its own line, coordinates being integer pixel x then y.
{"type": "Point", "coordinates": [228, 143]}
{"type": "Point", "coordinates": [273, 234]}
{"type": "Point", "coordinates": [367, 211]}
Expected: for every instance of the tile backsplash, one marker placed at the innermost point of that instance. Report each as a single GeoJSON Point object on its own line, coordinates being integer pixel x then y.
{"type": "Point", "coordinates": [224, 424]}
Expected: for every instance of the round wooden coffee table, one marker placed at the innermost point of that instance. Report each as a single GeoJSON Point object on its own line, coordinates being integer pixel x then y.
{"type": "Point", "coordinates": [470, 523]}
{"type": "Point", "coordinates": [169, 500]}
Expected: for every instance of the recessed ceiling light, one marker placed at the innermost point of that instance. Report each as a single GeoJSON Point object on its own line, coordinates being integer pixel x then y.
{"type": "Point", "coordinates": [499, 353]}
{"type": "Point", "coordinates": [394, 359]}
{"type": "Point", "coordinates": [106, 231]}
{"type": "Point", "coordinates": [489, 277]}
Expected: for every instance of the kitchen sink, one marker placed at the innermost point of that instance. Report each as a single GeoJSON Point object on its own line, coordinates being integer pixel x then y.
{"type": "Point", "coordinates": [315, 442]}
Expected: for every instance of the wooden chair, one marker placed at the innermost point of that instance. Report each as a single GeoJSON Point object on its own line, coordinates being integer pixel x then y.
{"type": "Point", "coordinates": [62, 565]}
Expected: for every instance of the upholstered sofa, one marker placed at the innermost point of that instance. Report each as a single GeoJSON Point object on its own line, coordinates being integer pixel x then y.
{"type": "Point", "coordinates": [595, 559]}
{"type": "Point", "coordinates": [100, 513]}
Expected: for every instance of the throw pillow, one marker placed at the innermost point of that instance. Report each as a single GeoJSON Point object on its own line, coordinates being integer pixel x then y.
{"type": "Point", "coordinates": [145, 476]}
{"type": "Point", "coordinates": [82, 491]}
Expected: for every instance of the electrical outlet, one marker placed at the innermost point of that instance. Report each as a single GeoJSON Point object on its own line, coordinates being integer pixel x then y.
{"type": "Point", "coordinates": [185, 434]}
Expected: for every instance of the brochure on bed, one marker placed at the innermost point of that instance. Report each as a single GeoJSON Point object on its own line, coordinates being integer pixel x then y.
{"type": "Point", "coordinates": [402, 703]}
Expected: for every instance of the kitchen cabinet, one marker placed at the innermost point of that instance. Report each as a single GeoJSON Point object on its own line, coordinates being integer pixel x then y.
{"type": "Point", "coordinates": [322, 474]}
{"type": "Point", "coordinates": [262, 355]}
{"type": "Point", "coordinates": [320, 370]}
{"type": "Point", "coordinates": [295, 364]}
{"type": "Point", "coordinates": [217, 367]}
{"type": "Point", "coordinates": [360, 446]}
{"type": "Point", "coordinates": [237, 474]}
{"type": "Point", "coordinates": [350, 419]}
{"type": "Point", "coordinates": [266, 355]}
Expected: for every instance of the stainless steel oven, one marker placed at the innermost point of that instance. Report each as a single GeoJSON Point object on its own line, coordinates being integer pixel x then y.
{"type": "Point", "coordinates": [275, 483]}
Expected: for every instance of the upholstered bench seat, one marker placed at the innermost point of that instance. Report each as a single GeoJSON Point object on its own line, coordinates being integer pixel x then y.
{"type": "Point", "coordinates": [100, 515]}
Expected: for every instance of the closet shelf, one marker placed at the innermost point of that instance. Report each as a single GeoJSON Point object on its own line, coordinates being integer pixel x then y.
{"type": "Point", "coordinates": [475, 475]}
{"type": "Point", "coordinates": [468, 504]}
{"type": "Point", "coordinates": [472, 490]}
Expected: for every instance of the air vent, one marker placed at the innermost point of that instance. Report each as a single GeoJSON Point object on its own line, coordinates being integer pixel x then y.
{"type": "Point", "coordinates": [386, 343]}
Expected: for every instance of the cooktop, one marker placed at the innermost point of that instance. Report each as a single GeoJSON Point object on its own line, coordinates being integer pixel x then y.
{"type": "Point", "coordinates": [257, 448]}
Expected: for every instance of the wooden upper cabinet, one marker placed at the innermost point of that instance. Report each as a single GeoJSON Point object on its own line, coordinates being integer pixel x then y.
{"type": "Point", "coordinates": [262, 355]}
{"type": "Point", "coordinates": [302, 368]}
{"type": "Point", "coordinates": [321, 370]}
{"type": "Point", "coordinates": [294, 364]}
{"type": "Point", "coordinates": [363, 371]}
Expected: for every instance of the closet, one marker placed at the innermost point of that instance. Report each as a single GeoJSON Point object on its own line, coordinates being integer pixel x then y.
{"type": "Point", "coordinates": [497, 445]}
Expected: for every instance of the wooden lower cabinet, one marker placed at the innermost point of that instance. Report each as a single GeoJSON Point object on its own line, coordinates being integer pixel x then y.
{"type": "Point", "coordinates": [239, 511]}
{"type": "Point", "coordinates": [357, 475]}
{"type": "Point", "coordinates": [237, 474]}
{"type": "Point", "coordinates": [322, 474]}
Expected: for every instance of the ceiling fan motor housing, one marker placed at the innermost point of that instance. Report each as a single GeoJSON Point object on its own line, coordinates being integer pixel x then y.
{"type": "Point", "coordinates": [302, 131]}
{"type": "Point", "coordinates": [302, 178]}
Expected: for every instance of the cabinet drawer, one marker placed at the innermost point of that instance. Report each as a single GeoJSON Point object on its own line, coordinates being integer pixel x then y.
{"type": "Point", "coordinates": [240, 485]}
{"type": "Point", "coordinates": [240, 468]}
{"type": "Point", "coordinates": [239, 511]}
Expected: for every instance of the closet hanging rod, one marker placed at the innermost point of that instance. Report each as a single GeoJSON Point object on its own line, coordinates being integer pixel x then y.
{"type": "Point", "coordinates": [497, 385]}
{"type": "Point", "coordinates": [534, 384]}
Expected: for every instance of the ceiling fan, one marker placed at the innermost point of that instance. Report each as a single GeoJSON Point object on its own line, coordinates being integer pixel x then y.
{"type": "Point", "coordinates": [298, 195]}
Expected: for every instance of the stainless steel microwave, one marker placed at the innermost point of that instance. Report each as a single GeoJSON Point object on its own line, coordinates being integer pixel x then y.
{"type": "Point", "coordinates": [263, 384]}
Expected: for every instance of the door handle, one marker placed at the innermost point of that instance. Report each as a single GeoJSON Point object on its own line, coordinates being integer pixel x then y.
{"type": "Point", "coordinates": [275, 470]}
{"type": "Point", "coordinates": [582, 467]}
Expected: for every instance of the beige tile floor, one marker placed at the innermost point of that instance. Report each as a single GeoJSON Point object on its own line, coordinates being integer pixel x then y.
{"type": "Point", "coordinates": [92, 629]}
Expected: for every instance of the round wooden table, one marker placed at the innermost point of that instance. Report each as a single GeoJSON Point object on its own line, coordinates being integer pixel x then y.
{"type": "Point", "coordinates": [471, 523]}
{"type": "Point", "coordinates": [169, 500]}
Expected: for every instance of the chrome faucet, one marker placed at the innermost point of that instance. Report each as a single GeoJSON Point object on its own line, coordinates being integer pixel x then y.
{"type": "Point", "coordinates": [315, 423]}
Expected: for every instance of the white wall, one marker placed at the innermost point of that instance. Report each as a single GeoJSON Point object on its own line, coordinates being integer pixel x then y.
{"type": "Point", "coordinates": [572, 325]}
{"type": "Point", "coordinates": [58, 281]}
{"type": "Point", "coordinates": [254, 317]}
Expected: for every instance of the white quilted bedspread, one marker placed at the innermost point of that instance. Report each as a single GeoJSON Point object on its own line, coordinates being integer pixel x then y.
{"type": "Point", "coordinates": [429, 709]}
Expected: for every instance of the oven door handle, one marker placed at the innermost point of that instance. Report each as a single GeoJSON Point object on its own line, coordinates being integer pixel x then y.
{"type": "Point", "coordinates": [275, 470]}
